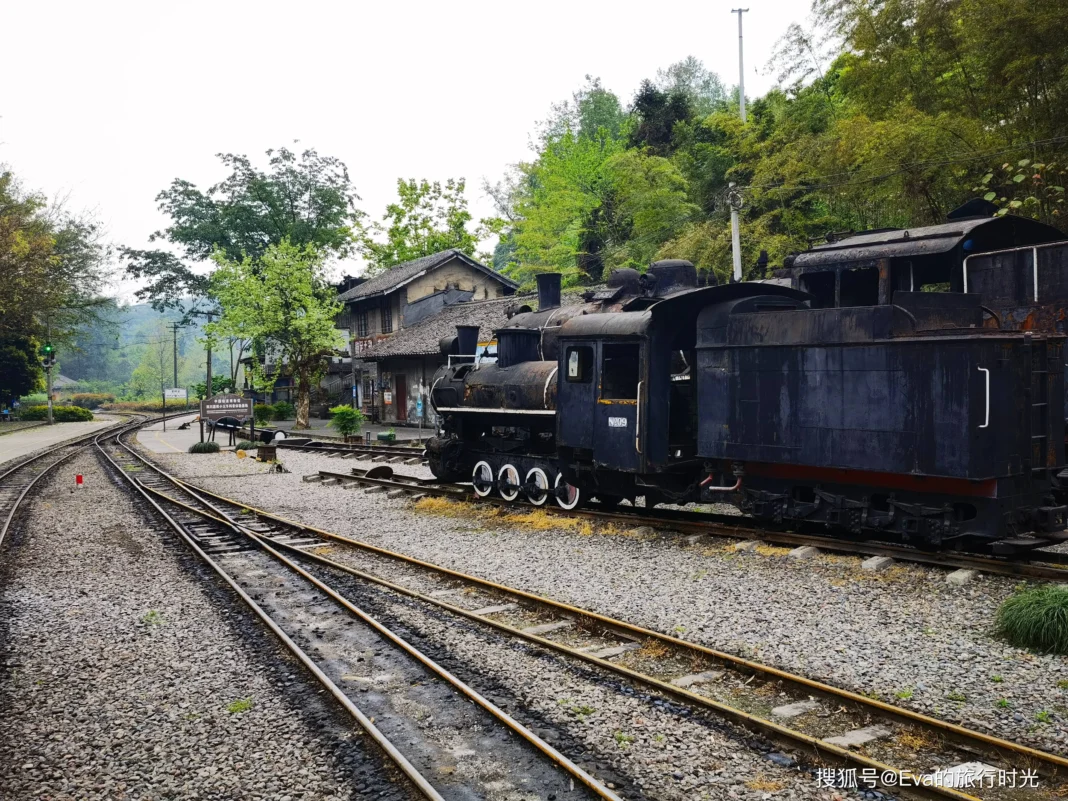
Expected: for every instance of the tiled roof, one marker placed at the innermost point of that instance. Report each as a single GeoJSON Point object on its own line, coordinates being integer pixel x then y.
{"type": "Point", "coordinates": [422, 338]}
{"type": "Point", "coordinates": [401, 274]}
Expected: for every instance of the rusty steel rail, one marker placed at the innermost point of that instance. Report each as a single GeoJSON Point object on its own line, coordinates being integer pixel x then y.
{"type": "Point", "coordinates": [215, 514]}
{"type": "Point", "coordinates": [977, 741]}
{"type": "Point", "coordinates": [724, 526]}
{"type": "Point", "coordinates": [75, 442]}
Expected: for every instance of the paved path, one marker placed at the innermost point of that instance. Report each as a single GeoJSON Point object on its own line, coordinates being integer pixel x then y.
{"type": "Point", "coordinates": [19, 443]}
{"type": "Point", "coordinates": [172, 440]}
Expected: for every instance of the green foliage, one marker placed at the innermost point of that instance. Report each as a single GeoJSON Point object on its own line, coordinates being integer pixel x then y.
{"type": "Point", "coordinates": [1036, 618]}
{"type": "Point", "coordinates": [346, 420]}
{"type": "Point", "coordinates": [246, 445]}
{"type": "Point", "coordinates": [306, 200]}
{"type": "Point", "coordinates": [139, 406]}
{"type": "Point", "coordinates": [262, 413]}
{"type": "Point", "coordinates": [282, 410]}
{"type": "Point", "coordinates": [90, 400]}
{"type": "Point", "coordinates": [284, 303]}
{"type": "Point", "coordinates": [204, 447]}
{"type": "Point", "coordinates": [238, 706]}
{"type": "Point", "coordinates": [220, 385]}
{"type": "Point", "coordinates": [427, 218]}
{"type": "Point", "coordinates": [60, 414]}
{"type": "Point", "coordinates": [52, 265]}
{"type": "Point", "coordinates": [20, 367]}
{"type": "Point", "coordinates": [1028, 187]}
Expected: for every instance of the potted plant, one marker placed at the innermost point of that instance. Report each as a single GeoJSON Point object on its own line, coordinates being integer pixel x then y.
{"type": "Point", "coordinates": [388, 436]}
{"type": "Point", "coordinates": [347, 421]}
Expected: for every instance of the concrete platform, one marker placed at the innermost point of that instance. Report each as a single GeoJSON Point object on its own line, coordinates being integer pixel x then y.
{"type": "Point", "coordinates": [155, 439]}
{"type": "Point", "coordinates": [19, 443]}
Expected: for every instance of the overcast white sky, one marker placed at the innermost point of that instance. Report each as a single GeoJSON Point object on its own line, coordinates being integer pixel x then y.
{"type": "Point", "coordinates": [110, 101]}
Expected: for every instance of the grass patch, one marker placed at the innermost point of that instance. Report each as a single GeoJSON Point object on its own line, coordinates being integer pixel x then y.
{"type": "Point", "coordinates": [917, 740]}
{"type": "Point", "coordinates": [1062, 684]}
{"type": "Point", "coordinates": [904, 695]}
{"type": "Point", "coordinates": [204, 447]}
{"type": "Point", "coordinates": [1045, 716]}
{"type": "Point", "coordinates": [624, 740]}
{"type": "Point", "coordinates": [762, 784]}
{"type": "Point", "coordinates": [1036, 618]}
{"type": "Point", "coordinates": [958, 696]}
{"type": "Point", "coordinates": [653, 648]}
{"type": "Point", "coordinates": [239, 706]}
{"type": "Point", "coordinates": [152, 618]}
{"type": "Point", "coordinates": [997, 679]}
{"type": "Point", "coordinates": [1003, 703]}
{"type": "Point", "coordinates": [771, 550]}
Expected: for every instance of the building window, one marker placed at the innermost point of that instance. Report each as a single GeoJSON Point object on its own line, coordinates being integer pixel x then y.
{"type": "Point", "coordinates": [619, 372]}
{"type": "Point", "coordinates": [361, 324]}
{"type": "Point", "coordinates": [387, 317]}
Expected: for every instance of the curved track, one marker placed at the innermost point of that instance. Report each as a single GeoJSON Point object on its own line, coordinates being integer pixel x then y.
{"type": "Point", "coordinates": [241, 554]}
{"type": "Point", "coordinates": [18, 479]}
{"type": "Point", "coordinates": [728, 686]}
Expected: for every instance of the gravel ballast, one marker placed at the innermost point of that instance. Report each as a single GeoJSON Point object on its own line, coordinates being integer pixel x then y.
{"type": "Point", "coordinates": [129, 672]}
{"type": "Point", "coordinates": [904, 634]}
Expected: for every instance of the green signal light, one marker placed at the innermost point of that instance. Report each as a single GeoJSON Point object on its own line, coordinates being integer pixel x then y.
{"type": "Point", "coordinates": [48, 348]}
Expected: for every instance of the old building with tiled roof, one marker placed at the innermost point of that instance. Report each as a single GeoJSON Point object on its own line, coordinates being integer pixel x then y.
{"type": "Point", "coordinates": [385, 314]}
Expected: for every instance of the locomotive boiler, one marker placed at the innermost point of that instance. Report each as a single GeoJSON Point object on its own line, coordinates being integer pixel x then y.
{"type": "Point", "coordinates": [893, 413]}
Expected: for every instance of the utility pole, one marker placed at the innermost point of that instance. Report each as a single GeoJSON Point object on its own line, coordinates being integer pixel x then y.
{"type": "Point", "coordinates": [734, 198]}
{"type": "Point", "coordinates": [175, 326]}
{"type": "Point", "coordinates": [741, 72]}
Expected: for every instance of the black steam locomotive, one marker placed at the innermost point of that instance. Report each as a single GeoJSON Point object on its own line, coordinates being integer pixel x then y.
{"type": "Point", "coordinates": [843, 393]}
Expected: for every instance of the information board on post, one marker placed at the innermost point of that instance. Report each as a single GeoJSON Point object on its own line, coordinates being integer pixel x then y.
{"type": "Point", "coordinates": [176, 393]}
{"type": "Point", "coordinates": [219, 406]}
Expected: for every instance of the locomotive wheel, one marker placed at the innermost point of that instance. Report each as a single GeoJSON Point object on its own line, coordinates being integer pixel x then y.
{"type": "Point", "coordinates": [537, 478]}
{"type": "Point", "coordinates": [508, 482]}
{"type": "Point", "coordinates": [567, 496]}
{"type": "Point", "coordinates": [482, 479]}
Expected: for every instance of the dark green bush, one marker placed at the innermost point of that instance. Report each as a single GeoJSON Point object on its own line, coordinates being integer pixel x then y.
{"type": "Point", "coordinates": [89, 400]}
{"type": "Point", "coordinates": [1037, 619]}
{"type": "Point", "coordinates": [246, 445]}
{"type": "Point", "coordinates": [61, 414]}
{"type": "Point", "coordinates": [284, 410]}
{"type": "Point", "coordinates": [147, 406]}
{"type": "Point", "coordinates": [346, 420]}
{"type": "Point", "coordinates": [204, 447]}
{"type": "Point", "coordinates": [262, 413]}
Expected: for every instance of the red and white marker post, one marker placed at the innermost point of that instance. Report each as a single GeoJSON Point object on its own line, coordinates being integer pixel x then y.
{"type": "Point", "coordinates": [78, 481]}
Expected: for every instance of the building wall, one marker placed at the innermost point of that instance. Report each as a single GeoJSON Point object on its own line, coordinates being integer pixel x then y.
{"type": "Point", "coordinates": [419, 373]}
{"type": "Point", "coordinates": [458, 274]}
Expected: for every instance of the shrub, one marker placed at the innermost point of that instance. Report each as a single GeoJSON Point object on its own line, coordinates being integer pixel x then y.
{"type": "Point", "coordinates": [284, 410]}
{"type": "Point", "coordinates": [61, 414]}
{"type": "Point", "coordinates": [36, 399]}
{"type": "Point", "coordinates": [145, 406]}
{"type": "Point", "coordinates": [1037, 619]}
{"type": "Point", "coordinates": [204, 447]}
{"type": "Point", "coordinates": [346, 420]}
{"type": "Point", "coordinates": [262, 413]}
{"type": "Point", "coordinates": [246, 445]}
{"type": "Point", "coordinates": [89, 400]}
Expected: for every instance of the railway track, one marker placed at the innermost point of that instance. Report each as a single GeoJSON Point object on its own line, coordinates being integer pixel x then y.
{"type": "Point", "coordinates": [17, 480]}
{"type": "Point", "coordinates": [895, 748]}
{"type": "Point", "coordinates": [1035, 564]}
{"type": "Point", "coordinates": [311, 611]}
{"type": "Point", "coordinates": [394, 454]}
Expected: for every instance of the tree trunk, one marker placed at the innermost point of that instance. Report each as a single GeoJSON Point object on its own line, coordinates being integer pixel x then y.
{"type": "Point", "coordinates": [303, 401]}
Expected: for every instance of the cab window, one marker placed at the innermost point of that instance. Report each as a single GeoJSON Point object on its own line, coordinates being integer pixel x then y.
{"type": "Point", "coordinates": [577, 363]}
{"type": "Point", "coordinates": [619, 372]}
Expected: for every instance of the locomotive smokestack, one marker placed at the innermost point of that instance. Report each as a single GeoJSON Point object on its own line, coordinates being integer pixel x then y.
{"type": "Point", "coordinates": [548, 291]}
{"type": "Point", "coordinates": [466, 340]}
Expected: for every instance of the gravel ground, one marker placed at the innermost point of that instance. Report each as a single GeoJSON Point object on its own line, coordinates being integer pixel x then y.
{"type": "Point", "coordinates": [904, 634]}
{"type": "Point", "coordinates": [127, 672]}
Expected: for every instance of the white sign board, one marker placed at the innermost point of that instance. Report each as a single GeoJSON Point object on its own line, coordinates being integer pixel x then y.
{"type": "Point", "coordinates": [177, 393]}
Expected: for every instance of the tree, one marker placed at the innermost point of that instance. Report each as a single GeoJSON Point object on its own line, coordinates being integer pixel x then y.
{"type": "Point", "coordinates": [593, 111]}
{"type": "Point", "coordinates": [283, 303]}
{"type": "Point", "coordinates": [304, 200]}
{"type": "Point", "coordinates": [703, 89]}
{"type": "Point", "coordinates": [427, 218]}
{"type": "Point", "coordinates": [656, 113]}
{"type": "Point", "coordinates": [20, 367]}
{"type": "Point", "coordinates": [52, 263]}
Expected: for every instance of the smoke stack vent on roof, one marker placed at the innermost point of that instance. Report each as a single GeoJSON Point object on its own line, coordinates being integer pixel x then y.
{"type": "Point", "coordinates": [548, 291]}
